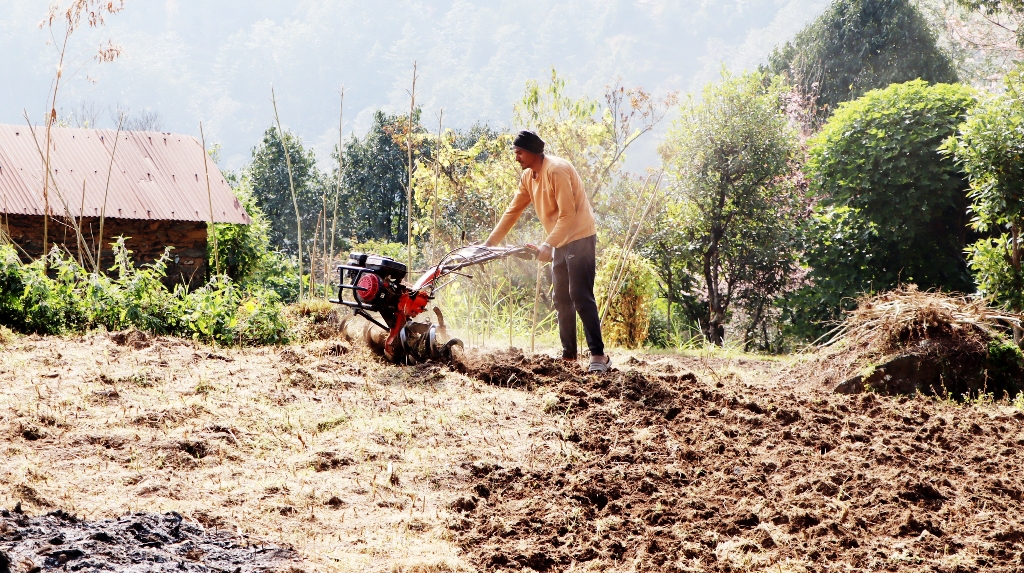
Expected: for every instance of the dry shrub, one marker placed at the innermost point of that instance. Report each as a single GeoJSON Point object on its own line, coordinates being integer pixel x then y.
{"type": "Point", "coordinates": [892, 321]}
{"type": "Point", "coordinates": [958, 339]}
{"type": "Point", "coordinates": [314, 320]}
{"type": "Point", "coordinates": [628, 317]}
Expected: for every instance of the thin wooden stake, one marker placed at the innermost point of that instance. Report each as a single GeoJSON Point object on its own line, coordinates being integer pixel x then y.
{"type": "Point", "coordinates": [106, 191]}
{"type": "Point", "coordinates": [291, 185]}
{"type": "Point", "coordinates": [209, 197]}
{"type": "Point", "coordinates": [408, 139]}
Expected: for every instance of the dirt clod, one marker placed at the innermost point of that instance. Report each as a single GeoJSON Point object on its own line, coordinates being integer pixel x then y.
{"type": "Point", "coordinates": [133, 543]}
{"type": "Point", "coordinates": [671, 471]}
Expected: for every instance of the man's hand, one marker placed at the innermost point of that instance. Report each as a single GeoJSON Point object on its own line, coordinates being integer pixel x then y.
{"type": "Point", "coordinates": [544, 252]}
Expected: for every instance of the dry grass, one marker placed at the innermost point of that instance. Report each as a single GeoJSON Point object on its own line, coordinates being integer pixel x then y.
{"type": "Point", "coordinates": [902, 322]}
{"type": "Point", "coordinates": [885, 322]}
{"type": "Point", "coordinates": [352, 461]}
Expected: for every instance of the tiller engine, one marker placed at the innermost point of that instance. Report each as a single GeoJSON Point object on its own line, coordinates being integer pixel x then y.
{"type": "Point", "coordinates": [373, 284]}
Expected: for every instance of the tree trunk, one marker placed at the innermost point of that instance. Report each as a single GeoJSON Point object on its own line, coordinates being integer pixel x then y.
{"type": "Point", "coordinates": [1015, 254]}
{"type": "Point", "coordinates": [668, 296]}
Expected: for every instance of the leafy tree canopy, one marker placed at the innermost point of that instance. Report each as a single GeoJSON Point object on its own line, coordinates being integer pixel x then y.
{"type": "Point", "coordinates": [268, 175]}
{"type": "Point", "coordinates": [891, 209]}
{"type": "Point", "coordinates": [373, 196]}
{"type": "Point", "coordinates": [728, 157]}
{"type": "Point", "coordinates": [989, 147]}
{"type": "Point", "coordinates": [860, 45]}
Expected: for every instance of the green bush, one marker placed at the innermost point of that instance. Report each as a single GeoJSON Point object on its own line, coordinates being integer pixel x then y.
{"type": "Point", "coordinates": [68, 299]}
{"type": "Point", "coordinates": [989, 147]}
{"type": "Point", "coordinates": [244, 253]}
{"type": "Point", "coordinates": [891, 208]}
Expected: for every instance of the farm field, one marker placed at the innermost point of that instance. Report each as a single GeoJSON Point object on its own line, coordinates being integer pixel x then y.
{"type": "Point", "coordinates": [343, 462]}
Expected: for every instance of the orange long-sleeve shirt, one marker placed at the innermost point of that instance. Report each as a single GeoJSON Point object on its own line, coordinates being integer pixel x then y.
{"type": "Point", "coordinates": [562, 205]}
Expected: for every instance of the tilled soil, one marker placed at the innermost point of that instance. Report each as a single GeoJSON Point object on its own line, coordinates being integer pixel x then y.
{"type": "Point", "coordinates": [139, 542]}
{"type": "Point", "coordinates": [667, 471]}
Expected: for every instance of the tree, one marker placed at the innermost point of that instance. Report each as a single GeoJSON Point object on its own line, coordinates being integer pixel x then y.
{"type": "Point", "coordinates": [1007, 14]}
{"type": "Point", "coordinates": [269, 178]}
{"type": "Point", "coordinates": [989, 147]}
{"type": "Point", "coordinates": [467, 186]}
{"type": "Point", "coordinates": [245, 253]}
{"type": "Point", "coordinates": [373, 197]}
{"type": "Point", "coordinates": [859, 45]}
{"type": "Point", "coordinates": [890, 208]}
{"type": "Point", "coordinates": [728, 156]}
{"type": "Point", "coordinates": [242, 248]}
{"type": "Point", "coordinates": [594, 138]}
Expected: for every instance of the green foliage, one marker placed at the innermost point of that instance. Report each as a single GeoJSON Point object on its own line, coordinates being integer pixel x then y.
{"type": "Point", "coordinates": [373, 196]}
{"type": "Point", "coordinates": [69, 299]}
{"type": "Point", "coordinates": [989, 147]}
{"type": "Point", "coordinates": [730, 157]}
{"type": "Point", "coordinates": [268, 177]}
{"type": "Point", "coordinates": [629, 313]}
{"type": "Point", "coordinates": [245, 252]}
{"type": "Point", "coordinates": [1004, 359]}
{"type": "Point", "coordinates": [998, 278]}
{"type": "Point", "coordinates": [396, 251]}
{"type": "Point", "coordinates": [242, 248]}
{"type": "Point", "coordinates": [859, 45]}
{"type": "Point", "coordinates": [891, 210]}
{"type": "Point", "coordinates": [465, 190]}
{"type": "Point", "coordinates": [11, 285]}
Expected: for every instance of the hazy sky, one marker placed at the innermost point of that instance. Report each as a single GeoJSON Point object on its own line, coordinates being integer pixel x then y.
{"type": "Point", "coordinates": [214, 60]}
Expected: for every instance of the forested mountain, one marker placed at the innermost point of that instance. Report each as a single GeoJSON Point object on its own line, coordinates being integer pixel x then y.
{"type": "Point", "coordinates": [189, 60]}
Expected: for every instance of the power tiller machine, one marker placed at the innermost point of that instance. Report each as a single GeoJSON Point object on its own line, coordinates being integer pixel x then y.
{"type": "Point", "coordinates": [371, 283]}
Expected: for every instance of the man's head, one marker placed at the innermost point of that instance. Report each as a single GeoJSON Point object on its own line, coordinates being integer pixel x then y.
{"type": "Point", "coordinates": [529, 148]}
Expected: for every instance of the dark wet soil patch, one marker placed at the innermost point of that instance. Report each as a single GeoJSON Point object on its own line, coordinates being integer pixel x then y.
{"type": "Point", "coordinates": [668, 472]}
{"type": "Point", "coordinates": [139, 542]}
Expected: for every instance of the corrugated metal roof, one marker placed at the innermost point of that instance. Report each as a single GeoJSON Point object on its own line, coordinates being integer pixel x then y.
{"type": "Point", "coordinates": [156, 176]}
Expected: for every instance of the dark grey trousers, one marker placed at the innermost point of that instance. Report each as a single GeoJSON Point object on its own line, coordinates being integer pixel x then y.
{"type": "Point", "coordinates": [572, 279]}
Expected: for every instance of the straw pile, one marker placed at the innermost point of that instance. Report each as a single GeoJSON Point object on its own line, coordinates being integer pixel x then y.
{"type": "Point", "coordinates": [907, 341]}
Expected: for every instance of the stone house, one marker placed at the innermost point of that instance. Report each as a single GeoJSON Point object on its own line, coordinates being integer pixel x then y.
{"type": "Point", "coordinates": [155, 189]}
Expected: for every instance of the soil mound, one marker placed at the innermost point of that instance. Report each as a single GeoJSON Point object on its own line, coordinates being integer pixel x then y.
{"type": "Point", "coordinates": [907, 342]}
{"type": "Point", "coordinates": [135, 543]}
{"type": "Point", "coordinates": [513, 369]}
{"type": "Point", "coordinates": [666, 472]}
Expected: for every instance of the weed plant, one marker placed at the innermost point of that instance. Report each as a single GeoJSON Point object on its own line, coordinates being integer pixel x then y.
{"type": "Point", "coordinates": [56, 295]}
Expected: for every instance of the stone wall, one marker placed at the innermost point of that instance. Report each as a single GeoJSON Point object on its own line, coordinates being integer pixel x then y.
{"type": "Point", "coordinates": [146, 240]}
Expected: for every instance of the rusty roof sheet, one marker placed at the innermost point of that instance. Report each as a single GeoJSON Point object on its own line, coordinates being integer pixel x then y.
{"type": "Point", "coordinates": [155, 176]}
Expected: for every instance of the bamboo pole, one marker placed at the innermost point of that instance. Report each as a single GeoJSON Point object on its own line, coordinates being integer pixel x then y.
{"type": "Point", "coordinates": [291, 185]}
{"type": "Point", "coordinates": [341, 170]}
{"type": "Point", "coordinates": [81, 221]}
{"type": "Point", "coordinates": [437, 178]}
{"type": "Point", "coordinates": [209, 197]}
{"type": "Point", "coordinates": [408, 140]}
{"type": "Point", "coordinates": [56, 189]}
{"type": "Point", "coordinates": [536, 301]}
{"type": "Point", "coordinates": [628, 246]}
{"type": "Point", "coordinates": [106, 191]}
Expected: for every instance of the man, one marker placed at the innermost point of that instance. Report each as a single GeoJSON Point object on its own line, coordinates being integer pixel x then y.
{"type": "Point", "coordinates": [556, 191]}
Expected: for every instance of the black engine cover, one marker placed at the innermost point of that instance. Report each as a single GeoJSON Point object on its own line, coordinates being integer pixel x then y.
{"type": "Point", "coordinates": [384, 267]}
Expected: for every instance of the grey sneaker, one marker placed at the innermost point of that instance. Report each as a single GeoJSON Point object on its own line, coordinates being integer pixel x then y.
{"type": "Point", "coordinates": [600, 366]}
